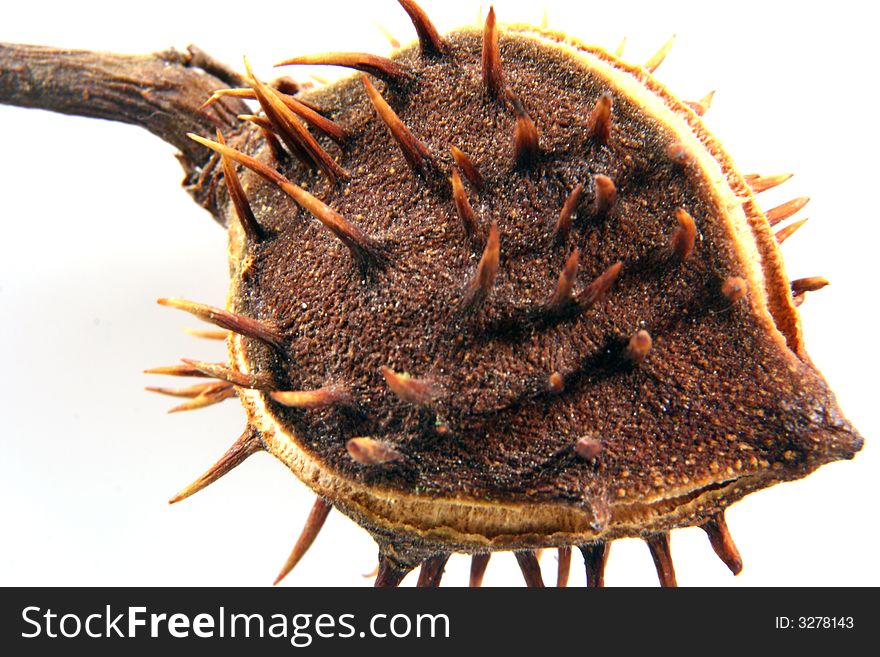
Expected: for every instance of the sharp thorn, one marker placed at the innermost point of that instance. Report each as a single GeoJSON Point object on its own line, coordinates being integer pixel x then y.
{"type": "Point", "coordinates": [606, 195]}
{"type": "Point", "coordinates": [784, 233]}
{"type": "Point", "coordinates": [706, 101]}
{"type": "Point", "coordinates": [760, 183]}
{"type": "Point", "coordinates": [415, 152]}
{"type": "Point", "coordinates": [247, 444]}
{"type": "Point", "coordinates": [684, 236]}
{"type": "Point", "coordinates": [255, 381]}
{"type": "Point", "coordinates": [277, 125]}
{"type": "Point", "coordinates": [215, 394]}
{"type": "Point", "coordinates": [801, 285]}
{"type": "Point", "coordinates": [331, 395]}
{"type": "Point", "coordinates": [658, 544]}
{"type": "Point", "coordinates": [654, 63]}
{"type": "Point", "coordinates": [382, 67]}
{"type": "Point", "coordinates": [468, 168]}
{"type": "Point", "coordinates": [368, 451]}
{"type": "Point", "coordinates": [392, 40]}
{"type": "Point", "coordinates": [206, 334]}
{"type": "Point", "coordinates": [189, 392]}
{"type": "Point", "coordinates": [679, 154]}
{"type": "Point", "coordinates": [285, 85]}
{"type": "Point", "coordinates": [595, 558]}
{"type": "Point", "coordinates": [525, 135]}
{"type": "Point", "coordinates": [178, 370]}
{"type": "Point", "coordinates": [564, 567]}
{"type": "Point", "coordinates": [478, 569]}
{"type": "Point", "coordinates": [390, 572]}
{"type": "Point", "coordinates": [493, 78]}
{"type": "Point", "coordinates": [555, 383]}
{"type": "Point", "coordinates": [464, 209]}
{"type": "Point", "coordinates": [701, 106]}
{"type": "Point", "coordinates": [722, 543]}
{"type": "Point", "coordinates": [257, 120]}
{"type": "Point", "coordinates": [213, 98]}
{"type": "Point", "coordinates": [782, 212]}
{"type": "Point", "coordinates": [432, 571]}
{"type": "Point", "coordinates": [734, 288]}
{"type": "Point", "coordinates": [599, 123]}
{"type": "Point", "coordinates": [566, 215]}
{"type": "Point", "coordinates": [599, 287]}
{"type": "Point", "coordinates": [562, 297]}
{"type": "Point", "coordinates": [420, 392]}
{"type": "Point", "coordinates": [364, 250]}
{"type": "Point", "coordinates": [303, 110]}
{"type": "Point", "coordinates": [320, 509]}
{"type": "Point", "coordinates": [695, 105]}
{"type": "Point", "coordinates": [203, 401]}
{"type": "Point", "coordinates": [531, 569]}
{"type": "Point", "coordinates": [246, 326]}
{"type": "Point", "coordinates": [240, 92]}
{"type": "Point", "coordinates": [330, 128]}
{"type": "Point", "coordinates": [292, 131]}
{"type": "Point", "coordinates": [587, 448]}
{"type": "Point", "coordinates": [487, 270]}
{"type": "Point", "coordinates": [429, 38]}
{"type": "Point", "coordinates": [252, 229]}
{"type": "Point", "coordinates": [638, 347]}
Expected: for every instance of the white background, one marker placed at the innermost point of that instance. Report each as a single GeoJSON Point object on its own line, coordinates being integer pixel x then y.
{"type": "Point", "coordinates": [95, 227]}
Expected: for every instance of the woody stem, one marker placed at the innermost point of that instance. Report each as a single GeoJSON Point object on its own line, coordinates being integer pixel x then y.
{"type": "Point", "coordinates": [162, 92]}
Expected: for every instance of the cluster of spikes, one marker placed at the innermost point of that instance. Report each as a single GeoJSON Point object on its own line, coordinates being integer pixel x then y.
{"type": "Point", "coordinates": [285, 123]}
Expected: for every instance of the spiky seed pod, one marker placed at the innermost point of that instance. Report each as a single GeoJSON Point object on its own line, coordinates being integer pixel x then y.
{"type": "Point", "coordinates": [607, 286]}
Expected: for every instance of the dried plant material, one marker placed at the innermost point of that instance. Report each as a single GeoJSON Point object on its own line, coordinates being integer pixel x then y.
{"type": "Point", "coordinates": [734, 288]}
{"type": "Point", "coordinates": [638, 347]}
{"type": "Point", "coordinates": [369, 451]}
{"type": "Point", "coordinates": [618, 210]}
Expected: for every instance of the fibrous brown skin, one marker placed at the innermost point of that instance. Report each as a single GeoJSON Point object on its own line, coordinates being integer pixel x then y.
{"type": "Point", "coordinates": [723, 402]}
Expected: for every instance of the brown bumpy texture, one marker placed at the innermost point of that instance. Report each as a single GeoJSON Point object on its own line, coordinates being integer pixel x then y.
{"type": "Point", "coordinates": [503, 292]}
{"type": "Point", "coordinates": [715, 395]}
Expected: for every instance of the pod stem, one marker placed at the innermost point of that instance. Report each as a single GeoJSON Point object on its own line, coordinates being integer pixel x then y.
{"type": "Point", "coordinates": [162, 92]}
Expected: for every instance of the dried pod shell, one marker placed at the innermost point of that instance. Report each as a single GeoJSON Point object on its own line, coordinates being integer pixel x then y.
{"type": "Point", "coordinates": [184, 250]}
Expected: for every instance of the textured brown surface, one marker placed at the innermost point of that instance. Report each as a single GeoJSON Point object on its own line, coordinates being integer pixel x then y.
{"type": "Point", "coordinates": [716, 398]}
